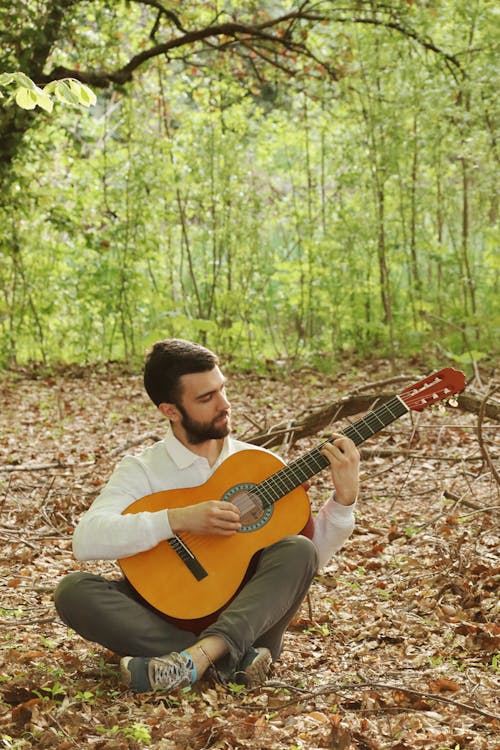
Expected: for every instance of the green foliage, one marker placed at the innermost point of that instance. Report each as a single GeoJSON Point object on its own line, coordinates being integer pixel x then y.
{"type": "Point", "coordinates": [138, 732]}
{"type": "Point", "coordinates": [53, 692]}
{"type": "Point", "coordinates": [28, 95]}
{"type": "Point", "coordinates": [263, 216]}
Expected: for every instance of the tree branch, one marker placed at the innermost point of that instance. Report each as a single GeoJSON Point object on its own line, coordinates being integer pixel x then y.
{"type": "Point", "coordinates": [162, 11]}
{"type": "Point", "coordinates": [244, 34]}
{"type": "Point", "coordinates": [231, 29]}
{"type": "Point", "coordinates": [424, 42]}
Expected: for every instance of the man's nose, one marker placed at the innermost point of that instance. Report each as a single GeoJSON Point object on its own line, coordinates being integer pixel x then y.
{"type": "Point", "coordinates": [224, 403]}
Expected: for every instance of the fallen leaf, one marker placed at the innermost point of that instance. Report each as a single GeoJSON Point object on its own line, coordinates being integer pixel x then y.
{"type": "Point", "coordinates": [443, 685]}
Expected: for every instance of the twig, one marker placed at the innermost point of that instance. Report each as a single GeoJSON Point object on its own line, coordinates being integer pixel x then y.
{"type": "Point", "coordinates": [135, 441]}
{"type": "Point", "coordinates": [460, 500]}
{"type": "Point", "coordinates": [287, 440]}
{"type": "Point", "coordinates": [64, 732]}
{"type": "Point", "coordinates": [348, 687]}
{"type": "Point", "coordinates": [477, 375]}
{"type": "Point", "coordinates": [17, 623]}
{"type": "Point", "coordinates": [378, 383]}
{"type": "Point", "coordinates": [384, 470]}
{"type": "Point", "coordinates": [43, 467]}
{"type": "Point", "coordinates": [18, 534]}
{"type": "Point", "coordinates": [480, 510]}
{"type": "Point", "coordinates": [43, 506]}
{"type": "Point", "coordinates": [390, 452]}
{"type": "Point", "coordinates": [401, 484]}
{"type": "Point", "coordinates": [482, 446]}
{"type": "Point", "coordinates": [253, 421]}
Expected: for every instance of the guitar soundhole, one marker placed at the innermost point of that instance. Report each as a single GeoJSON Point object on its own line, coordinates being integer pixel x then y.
{"type": "Point", "coordinates": [252, 511]}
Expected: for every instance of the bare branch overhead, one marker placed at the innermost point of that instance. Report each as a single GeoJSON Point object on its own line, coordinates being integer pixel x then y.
{"type": "Point", "coordinates": [280, 42]}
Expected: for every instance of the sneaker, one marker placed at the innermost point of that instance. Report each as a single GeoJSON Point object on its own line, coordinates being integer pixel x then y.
{"type": "Point", "coordinates": [144, 673]}
{"type": "Point", "coordinates": [253, 668]}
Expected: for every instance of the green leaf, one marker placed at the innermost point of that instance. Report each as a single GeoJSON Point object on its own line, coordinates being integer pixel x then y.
{"type": "Point", "coordinates": [85, 96]}
{"type": "Point", "coordinates": [43, 101]}
{"type": "Point", "coordinates": [19, 78]}
{"type": "Point", "coordinates": [6, 79]}
{"type": "Point", "coordinates": [26, 99]}
{"type": "Point", "coordinates": [64, 94]}
{"type": "Point", "coordinates": [23, 80]}
{"type": "Point", "coordinates": [49, 88]}
{"type": "Point", "coordinates": [88, 96]}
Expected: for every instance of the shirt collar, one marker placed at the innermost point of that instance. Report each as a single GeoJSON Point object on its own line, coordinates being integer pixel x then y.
{"type": "Point", "coordinates": [184, 458]}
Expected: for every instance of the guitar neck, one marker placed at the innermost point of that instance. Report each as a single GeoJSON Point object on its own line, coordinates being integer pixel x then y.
{"type": "Point", "coordinates": [303, 468]}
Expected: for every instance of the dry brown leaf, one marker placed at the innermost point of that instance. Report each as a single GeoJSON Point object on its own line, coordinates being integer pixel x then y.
{"type": "Point", "coordinates": [443, 685]}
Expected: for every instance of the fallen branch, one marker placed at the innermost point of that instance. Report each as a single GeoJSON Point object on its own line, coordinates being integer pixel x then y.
{"type": "Point", "coordinates": [461, 500]}
{"type": "Point", "coordinates": [44, 467]}
{"type": "Point", "coordinates": [389, 453]}
{"type": "Point", "coordinates": [381, 383]}
{"type": "Point", "coordinates": [350, 406]}
{"type": "Point", "coordinates": [489, 509]}
{"type": "Point", "coordinates": [349, 687]}
{"type": "Point", "coordinates": [34, 621]}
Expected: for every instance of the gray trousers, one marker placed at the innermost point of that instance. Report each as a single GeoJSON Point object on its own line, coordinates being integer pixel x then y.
{"type": "Point", "coordinates": [112, 614]}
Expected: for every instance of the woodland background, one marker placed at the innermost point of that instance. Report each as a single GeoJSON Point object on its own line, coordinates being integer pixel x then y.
{"type": "Point", "coordinates": [311, 190]}
{"type": "Point", "coordinates": [281, 180]}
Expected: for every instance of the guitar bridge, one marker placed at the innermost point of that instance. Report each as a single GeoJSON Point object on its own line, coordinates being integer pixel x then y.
{"type": "Point", "coordinates": [187, 557]}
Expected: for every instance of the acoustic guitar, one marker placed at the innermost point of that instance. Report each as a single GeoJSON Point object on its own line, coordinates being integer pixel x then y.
{"type": "Point", "coordinates": [190, 576]}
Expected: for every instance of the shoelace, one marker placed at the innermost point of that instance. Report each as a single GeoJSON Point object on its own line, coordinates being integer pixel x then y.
{"type": "Point", "coordinates": [173, 671]}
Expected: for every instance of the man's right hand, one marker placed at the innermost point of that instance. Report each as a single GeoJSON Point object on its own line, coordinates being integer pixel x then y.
{"type": "Point", "coordinates": [210, 517]}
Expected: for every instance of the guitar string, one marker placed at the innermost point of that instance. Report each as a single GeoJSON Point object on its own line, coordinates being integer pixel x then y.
{"type": "Point", "coordinates": [306, 466]}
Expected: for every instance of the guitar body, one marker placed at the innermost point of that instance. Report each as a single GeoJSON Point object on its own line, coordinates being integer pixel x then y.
{"type": "Point", "coordinates": [160, 574]}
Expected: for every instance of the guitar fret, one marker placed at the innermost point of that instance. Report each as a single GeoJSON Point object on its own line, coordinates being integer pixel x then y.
{"type": "Point", "coordinates": [354, 432]}
{"type": "Point", "coordinates": [299, 471]}
{"type": "Point", "coordinates": [269, 491]}
{"type": "Point", "coordinates": [279, 484]}
{"type": "Point", "coordinates": [296, 472]}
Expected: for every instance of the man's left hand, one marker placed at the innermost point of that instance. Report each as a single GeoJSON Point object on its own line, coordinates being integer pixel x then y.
{"type": "Point", "coordinates": [344, 466]}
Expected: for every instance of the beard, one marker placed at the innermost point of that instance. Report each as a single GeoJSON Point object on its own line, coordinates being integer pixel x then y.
{"type": "Point", "coordinates": [199, 432]}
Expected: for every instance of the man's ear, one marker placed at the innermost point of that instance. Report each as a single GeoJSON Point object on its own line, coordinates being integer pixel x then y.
{"type": "Point", "coordinates": [170, 411]}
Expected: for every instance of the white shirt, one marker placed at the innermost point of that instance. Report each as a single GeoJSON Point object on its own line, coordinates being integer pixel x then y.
{"type": "Point", "coordinates": [103, 533]}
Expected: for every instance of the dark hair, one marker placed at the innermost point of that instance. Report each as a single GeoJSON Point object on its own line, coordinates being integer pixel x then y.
{"type": "Point", "coordinates": [165, 364]}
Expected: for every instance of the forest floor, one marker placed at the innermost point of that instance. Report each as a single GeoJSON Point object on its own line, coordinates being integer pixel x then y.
{"type": "Point", "coordinates": [396, 646]}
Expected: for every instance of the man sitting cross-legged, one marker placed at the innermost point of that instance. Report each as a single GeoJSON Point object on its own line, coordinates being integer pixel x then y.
{"type": "Point", "coordinates": [184, 381]}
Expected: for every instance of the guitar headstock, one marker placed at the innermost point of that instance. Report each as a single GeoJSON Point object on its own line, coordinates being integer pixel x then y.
{"type": "Point", "coordinates": [437, 387]}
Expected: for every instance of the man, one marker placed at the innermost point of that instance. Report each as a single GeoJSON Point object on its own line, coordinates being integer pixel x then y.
{"type": "Point", "coordinates": [184, 381]}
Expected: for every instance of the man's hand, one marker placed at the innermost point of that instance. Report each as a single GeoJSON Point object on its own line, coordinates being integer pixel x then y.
{"type": "Point", "coordinates": [344, 466]}
{"type": "Point", "coordinates": [210, 517]}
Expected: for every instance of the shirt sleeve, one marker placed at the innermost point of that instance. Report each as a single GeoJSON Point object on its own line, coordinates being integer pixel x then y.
{"type": "Point", "coordinates": [103, 533]}
{"type": "Point", "coordinates": [333, 525]}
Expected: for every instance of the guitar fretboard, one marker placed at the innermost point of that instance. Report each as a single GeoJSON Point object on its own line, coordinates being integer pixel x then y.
{"type": "Point", "coordinates": [299, 471]}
